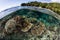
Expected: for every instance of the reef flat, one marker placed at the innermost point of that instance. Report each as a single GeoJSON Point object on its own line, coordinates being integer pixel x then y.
{"type": "Point", "coordinates": [26, 24]}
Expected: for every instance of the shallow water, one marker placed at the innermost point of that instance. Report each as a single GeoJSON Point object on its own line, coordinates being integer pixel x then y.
{"type": "Point", "coordinates": [45, 18]}
{"type": "Point", "coordinates": [48, 20]}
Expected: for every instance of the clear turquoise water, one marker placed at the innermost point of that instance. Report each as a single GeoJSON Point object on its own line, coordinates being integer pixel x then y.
{"type": "Point", "coordinates": [48, 20]}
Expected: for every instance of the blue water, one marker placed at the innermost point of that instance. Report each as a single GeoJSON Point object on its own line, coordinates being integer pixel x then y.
{"type": "Point", "coordinates": [48, 20]}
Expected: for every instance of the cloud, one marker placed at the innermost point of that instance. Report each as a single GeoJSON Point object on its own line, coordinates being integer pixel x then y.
{"type": "Point", "coordinates": [55, 1]}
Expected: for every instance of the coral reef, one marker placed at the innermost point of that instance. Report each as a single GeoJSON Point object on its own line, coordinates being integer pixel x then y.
{"type": "Point", "coordinates": [30, 27]}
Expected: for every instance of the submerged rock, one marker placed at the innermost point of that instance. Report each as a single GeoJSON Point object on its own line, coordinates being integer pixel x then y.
{"type": "Point", "coordinates": [38, 30]}
{"type": "Point", "coordinates": [27, 28]}
{"type": "Point", "coordinates": [10, 25]}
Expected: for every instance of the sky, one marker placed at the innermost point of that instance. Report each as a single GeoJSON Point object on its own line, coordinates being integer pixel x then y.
{"type": "Point", "coordinates": [5, 4]}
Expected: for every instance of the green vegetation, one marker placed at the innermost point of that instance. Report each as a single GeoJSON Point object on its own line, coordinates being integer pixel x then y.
{"type": "Point", "coordinates": [52, 6]}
